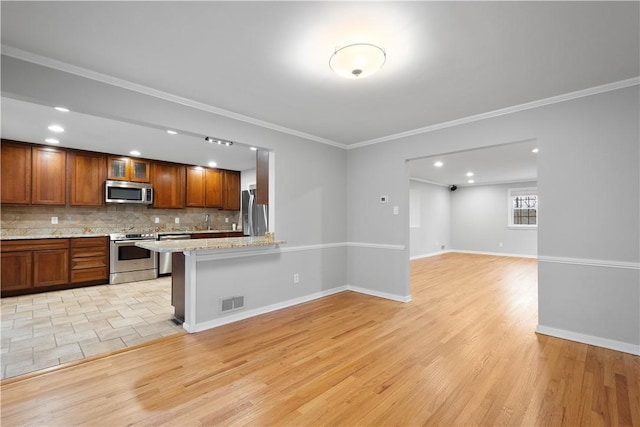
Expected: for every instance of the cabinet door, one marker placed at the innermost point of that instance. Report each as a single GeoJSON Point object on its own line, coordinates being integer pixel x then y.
{"type": "Point", "coordinates": [118, 168]}
{"type": "Point", "coordinates": [88, 173]}
{"type": "Point", "coordinates": [140, 170]}
{"type": "Point", "coordinates": [16, 173]}
{"type": "Point", "coordinates": [231, 191]}
{"type": "Point", "coordinates": [168, 183]}
{"type": "Point", "coordinates": [51, 267]}
{"type": "Point", "coordinates": [16, 270]}
{"type": "Point", "coordinates": [48, 172]}
{"type": "Point", "coordinates": [195, 187]}
{"type": "Point", "coordinates": [213, 196]}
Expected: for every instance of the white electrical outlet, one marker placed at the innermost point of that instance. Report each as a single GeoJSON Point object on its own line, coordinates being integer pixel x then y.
{"type": "Point", "coordinates": [226, 220]}
{"type": "Point", "coordinates": [296, 278]}
{"type": "Point", "coordinates": [396, 210]}
{"type": "Point", "coordinates": [54, 220]}
{"type": "Point", "coordinates": [157, 220]}
{"type": "Point", "coordinates": [177, 220]}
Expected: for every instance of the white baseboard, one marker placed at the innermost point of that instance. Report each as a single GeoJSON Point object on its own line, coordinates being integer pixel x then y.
{"type": "Point", "coordinates": [379, 294]}
{"type": "Point", "coordinates": [198, 327]}
{"type": "Point", "coordinates": [494, 253]}
{"type": "Point", "coordinates": [430, 254]}
{"type": "Point", "coordinates": [589, 339]}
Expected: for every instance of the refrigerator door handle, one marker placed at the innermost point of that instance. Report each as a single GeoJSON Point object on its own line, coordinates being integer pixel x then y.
{"type": "Point", "coordinates": [251, 231]}
{"type": "Point", "coordinates": [264, 214]}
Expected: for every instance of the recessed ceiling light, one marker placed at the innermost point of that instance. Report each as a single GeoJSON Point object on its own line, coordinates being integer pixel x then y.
{"type": "Point", "coordinates": [253, 149]}
{"type": "Point", "coordinates": [172, 132]}
{"type": "Point", "coordinates": [62, 109]}
{"type": "Point", "coordinates": [469, 173]}
{"type": "Point", "coordinates": [535, 150]}
{"type": "Point", "coordinates": [56, 128]}
{"type": "Point", "coordinates": [212, 164]}
{"type": "Point", "coordinates": [438, 164]}
{"type": "Point", "coordinates": [52, 141]}
{"type": "Point", "coordinates": [471, 181]}
{"type": "Point", "coordinates": [134, 153]}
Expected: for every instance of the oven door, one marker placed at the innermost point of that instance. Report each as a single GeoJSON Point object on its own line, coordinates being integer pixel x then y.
{"type": "Point", "coordinates": [126, 256]}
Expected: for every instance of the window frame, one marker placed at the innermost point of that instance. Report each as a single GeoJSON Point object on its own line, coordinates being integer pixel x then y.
{"type": "Point", "coordinates": [522, 191]}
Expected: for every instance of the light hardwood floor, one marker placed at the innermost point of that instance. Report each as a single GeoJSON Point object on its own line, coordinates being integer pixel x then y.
{"type": "Point", "coordinates": [463, 352]}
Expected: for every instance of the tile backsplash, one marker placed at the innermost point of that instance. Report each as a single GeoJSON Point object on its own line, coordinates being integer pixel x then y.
{"type": "Point", "coordinates": [35, 220]}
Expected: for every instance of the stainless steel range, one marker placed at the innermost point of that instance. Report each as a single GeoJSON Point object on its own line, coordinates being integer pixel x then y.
{"type": "Point", "coordinates": [130, 263]}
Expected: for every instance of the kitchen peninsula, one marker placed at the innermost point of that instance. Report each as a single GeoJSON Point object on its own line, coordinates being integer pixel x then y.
{"type": "Point", "coordinates": [204, 292]}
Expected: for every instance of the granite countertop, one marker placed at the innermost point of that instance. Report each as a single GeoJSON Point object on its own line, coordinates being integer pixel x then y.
{"type": "Point", "coordinates": [208, 244]}
{"type": "Point", "coordinates": [66, 233]}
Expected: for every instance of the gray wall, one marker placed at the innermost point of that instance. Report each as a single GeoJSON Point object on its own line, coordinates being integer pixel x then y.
{"type": "Point", "coordinates": [588, 178]}
{"type": "Point", "coordinates": [435, 219]}
{"type": "Point", "coordinates": [479, 221]}
{"type": "Point", "coordinates": [310, 197]}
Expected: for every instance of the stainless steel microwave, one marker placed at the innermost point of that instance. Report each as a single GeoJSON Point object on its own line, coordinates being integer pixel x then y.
{"type": "Point", "coordinates": [128, 192]}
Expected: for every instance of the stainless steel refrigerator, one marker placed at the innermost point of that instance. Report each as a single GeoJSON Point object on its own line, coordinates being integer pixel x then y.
{"type": "Point", "coordinates": [255, 217]}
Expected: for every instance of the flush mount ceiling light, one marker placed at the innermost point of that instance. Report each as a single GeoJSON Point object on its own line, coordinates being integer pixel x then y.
{"type": "Point", "coordinates": [357, 61]}
{"type": "Point", "coordinates": [438, 164]}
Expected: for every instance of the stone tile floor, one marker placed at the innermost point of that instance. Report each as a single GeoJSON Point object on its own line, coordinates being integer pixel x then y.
{"type": "Point", "coordinates": [44, 330]}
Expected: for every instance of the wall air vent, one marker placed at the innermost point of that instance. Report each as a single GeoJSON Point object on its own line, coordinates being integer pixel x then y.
{"type": "Point", "coordinates": [231, 303]}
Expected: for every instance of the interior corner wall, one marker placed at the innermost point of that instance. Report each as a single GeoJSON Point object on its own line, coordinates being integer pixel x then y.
{"type": "Point", "coordinates": [588, 237]}
{"type": "Point", "coordinates": [479, 221]}
{"type": "Point", "coordinates": [431, 234]}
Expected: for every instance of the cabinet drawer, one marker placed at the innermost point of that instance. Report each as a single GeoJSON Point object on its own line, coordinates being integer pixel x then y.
{"type": "Point", "coordinates": [88, 262]}
{"type": "Point", "coordinates": [90, 275]}
{"type": "Point", "coordinates": [86, 242]}
{"type": "Point", "coordinates": [33, 245]}
{"type": "Point", "coordinates": [89, 252]}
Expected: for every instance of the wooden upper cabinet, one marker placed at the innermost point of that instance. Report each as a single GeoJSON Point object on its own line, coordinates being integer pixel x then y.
{"type": "Point", "coordinates": [16, 173]}
{"type": "Point", "coordinates": [168, 181]}
{"type": "Point", "coordinates": [87, 175]}
{"type": "Point", "coordinates": [48, 176]}
{"type": "Point", "coordinates": [195, 191]}
{"type": "Point", "coordinates": [262, 177]}
{"type": "Point", "coordinates": [204, 187]}
{"type": "Point", "coordinates": [128, 169]}
{"type": "Point", "coordinates": [213, 188]}
{"type": "Point", "coordinates": [231, 191]}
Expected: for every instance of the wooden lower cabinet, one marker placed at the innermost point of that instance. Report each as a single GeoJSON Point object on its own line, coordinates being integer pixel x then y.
{"type": "Point", "coordinates": [39, 265]}
{"type": "Point", "coordinates": [17, 270]}
{"type": "Point", "coordinates": [50, 267]}
{"type": "Point", "coordinates": [90, 260]}
{"type": "Point", "coordinates": [218, 235]}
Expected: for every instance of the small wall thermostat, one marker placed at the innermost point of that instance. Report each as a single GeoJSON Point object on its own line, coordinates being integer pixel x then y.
{"type": "Point", "coordinates": [384, 199]}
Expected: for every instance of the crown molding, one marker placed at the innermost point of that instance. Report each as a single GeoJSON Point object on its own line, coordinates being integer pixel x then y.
{"type": "Point", "coordinates": [503, 111]}
{"type": "Point", "coordinates": [146, 90]}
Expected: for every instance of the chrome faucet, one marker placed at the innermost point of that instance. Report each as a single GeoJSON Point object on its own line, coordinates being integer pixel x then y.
{"type": "Point", "coordinates": [206, 220]}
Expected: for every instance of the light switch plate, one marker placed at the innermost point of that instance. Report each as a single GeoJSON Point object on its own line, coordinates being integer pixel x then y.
{"type": "Point", "coordinates": [396, 210]}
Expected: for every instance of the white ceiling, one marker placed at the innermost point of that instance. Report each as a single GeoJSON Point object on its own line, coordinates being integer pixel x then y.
{"type": "Point", "coordinates": [499, 164]}
{"type": "Point", "coordinates": [25, 121]}
{"type": "Point", "coordinates": [268, 61]}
